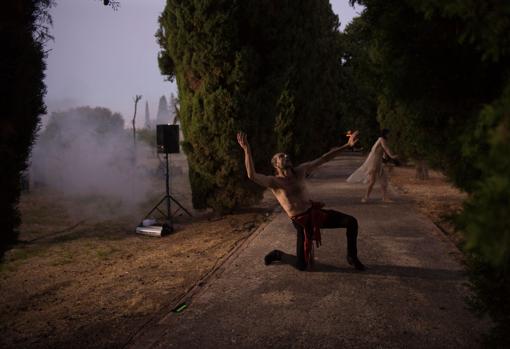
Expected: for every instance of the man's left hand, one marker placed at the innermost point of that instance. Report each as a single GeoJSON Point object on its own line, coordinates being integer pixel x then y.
{"type": "Point", "coordinates": [353, 139]}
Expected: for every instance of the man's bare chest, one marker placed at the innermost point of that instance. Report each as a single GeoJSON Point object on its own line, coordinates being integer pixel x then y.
{"type": "Point", "coordinates": [290, 186]}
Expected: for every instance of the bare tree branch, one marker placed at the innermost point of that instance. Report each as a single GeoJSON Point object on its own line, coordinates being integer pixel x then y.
{"type": "Point", "coordinates": [136, 99]}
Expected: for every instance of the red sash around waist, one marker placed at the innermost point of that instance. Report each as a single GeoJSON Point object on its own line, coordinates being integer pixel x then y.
{"type": "Point", "coordinates": [311, 220]}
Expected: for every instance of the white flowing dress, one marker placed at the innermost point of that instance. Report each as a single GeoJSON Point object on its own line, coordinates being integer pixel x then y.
{"type": "Point", "coordinates": [372, 164]}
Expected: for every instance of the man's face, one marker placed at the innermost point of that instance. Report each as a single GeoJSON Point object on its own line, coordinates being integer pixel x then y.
{"type": "Point", "coordinates": [282, 161]}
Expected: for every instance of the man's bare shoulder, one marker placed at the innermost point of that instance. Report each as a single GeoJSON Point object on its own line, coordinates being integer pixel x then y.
{"type": "Point", "coordinates": [276, 181]}
{"type": "Point", "coordinates": [265, 180]}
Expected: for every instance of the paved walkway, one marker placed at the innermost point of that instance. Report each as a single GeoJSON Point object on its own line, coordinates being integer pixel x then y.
{"type": "Point", "coordinates": [411, 295]}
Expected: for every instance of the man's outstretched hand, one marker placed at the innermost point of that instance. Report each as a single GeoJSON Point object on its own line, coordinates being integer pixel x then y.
{"type": "Point", "coordinates": [353, 139]}
{"type": "Point", "coordinates": [242, 139]}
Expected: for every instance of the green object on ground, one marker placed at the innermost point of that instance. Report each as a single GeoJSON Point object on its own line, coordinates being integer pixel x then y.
{"type": "Point", "coordinates": [180, 308]}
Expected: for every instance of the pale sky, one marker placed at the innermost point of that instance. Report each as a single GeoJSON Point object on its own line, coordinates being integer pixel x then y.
{"type": "Point", "coordinates": [102, 57]}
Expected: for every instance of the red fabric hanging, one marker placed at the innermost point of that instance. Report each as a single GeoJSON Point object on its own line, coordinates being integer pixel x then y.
{"type": "Point", "coordinates": [311, 221]}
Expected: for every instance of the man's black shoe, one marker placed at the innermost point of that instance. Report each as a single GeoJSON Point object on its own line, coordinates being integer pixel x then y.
{"type": "Point", "coordinates": [355, 262]}
{"type": "Point", "coordinates": [272, 256]}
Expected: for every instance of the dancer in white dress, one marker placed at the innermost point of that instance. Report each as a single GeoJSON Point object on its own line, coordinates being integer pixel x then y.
{"type": "Point", "coordinates": [373, 169]}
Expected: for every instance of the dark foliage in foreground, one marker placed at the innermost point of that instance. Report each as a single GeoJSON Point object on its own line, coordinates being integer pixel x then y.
{"type": "Point", "coordinates": [23, 32]}
{"type": "Point", "coordinates": [444, 81]}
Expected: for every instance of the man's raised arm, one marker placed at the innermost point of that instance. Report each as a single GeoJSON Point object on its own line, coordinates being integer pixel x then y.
{"type": "Point", "coordinates": [310, 166]}
{"type": "Point", "coordinates": [265, 181]}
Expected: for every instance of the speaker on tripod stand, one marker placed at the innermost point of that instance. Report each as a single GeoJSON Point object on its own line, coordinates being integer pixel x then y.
{"type": "Point", "coordinates": [167, 142]}
{"type": "Point", "coordinates": [167, 139]}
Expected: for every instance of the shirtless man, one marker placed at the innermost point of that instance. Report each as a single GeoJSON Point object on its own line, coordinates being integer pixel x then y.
{"type": "Point", "coordinates": [288, 186]}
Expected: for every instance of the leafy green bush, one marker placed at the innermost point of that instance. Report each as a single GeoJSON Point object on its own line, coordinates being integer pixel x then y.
{"type": "Point", "coordinates": [485, 219]}
{"type": "Point", "coordinates": [491, 287]}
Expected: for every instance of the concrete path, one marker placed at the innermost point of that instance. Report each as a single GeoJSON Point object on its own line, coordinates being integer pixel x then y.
{"type": "Point", "coordinates": [411, 296]}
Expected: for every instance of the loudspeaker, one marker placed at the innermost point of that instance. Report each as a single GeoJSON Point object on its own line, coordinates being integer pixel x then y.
{"type": "Point", "coordinates": [167, 138]}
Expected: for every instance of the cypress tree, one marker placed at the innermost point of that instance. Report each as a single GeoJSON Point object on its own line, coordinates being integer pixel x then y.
{"type": "Point", "coordinates": [269, 68]}
{"type": "Point", "coordinates": [163, 116]}
{"type": "Point", "coordinates": [147, 116]}
{"type": "Point", "coordinates": [23, 32]}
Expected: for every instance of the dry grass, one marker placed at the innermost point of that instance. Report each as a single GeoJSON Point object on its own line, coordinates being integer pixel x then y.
{"type": "Point", "coordinates": [84, 281]}
{"type": "Point", "coordinates": [80, 281]}
{"type": "Point", "coordinates": [435, 197]}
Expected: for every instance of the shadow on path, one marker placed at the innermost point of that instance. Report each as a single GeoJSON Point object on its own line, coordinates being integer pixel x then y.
{"type": "Point", "coordinates": [382, 270]}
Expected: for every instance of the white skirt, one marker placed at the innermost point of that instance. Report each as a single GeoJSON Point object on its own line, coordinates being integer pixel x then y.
{"type": "Point", "coordinates": [362, 174]}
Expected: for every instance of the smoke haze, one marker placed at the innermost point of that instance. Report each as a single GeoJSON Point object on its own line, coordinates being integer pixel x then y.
{"type": "Point", "coordinates": [87, 153]}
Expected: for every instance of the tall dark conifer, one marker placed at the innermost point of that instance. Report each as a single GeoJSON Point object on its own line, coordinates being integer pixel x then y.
{"type": "Point", "coordinates": [147, 122]}
{"type": "Point", "coordinates": [269, 68]}
{"type": "Point", "coordinates": [23, 31]}
{"type": "Point", "coordinates": [163, 116]}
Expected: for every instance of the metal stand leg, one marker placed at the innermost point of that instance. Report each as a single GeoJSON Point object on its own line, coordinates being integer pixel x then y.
{"type": "Point", "coordinates": [167, 198]}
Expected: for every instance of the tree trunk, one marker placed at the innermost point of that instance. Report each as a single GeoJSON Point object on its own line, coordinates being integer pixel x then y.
{"type": "Point", "coordinates": [422, 170]}
{"type": "Point", "coordinates": [136, 99]}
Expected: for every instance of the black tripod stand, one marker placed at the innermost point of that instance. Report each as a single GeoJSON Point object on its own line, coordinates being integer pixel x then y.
{"type": "Point", "coordinates": [167, 227]}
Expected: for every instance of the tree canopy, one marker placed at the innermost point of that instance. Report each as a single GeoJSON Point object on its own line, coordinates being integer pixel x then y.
{"type": "Point", "coordinates": [443, 72]}
{"type": "Point", "coordinates": [271, 69]}
{"type": "Point", "coordinates": [66, 125]}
